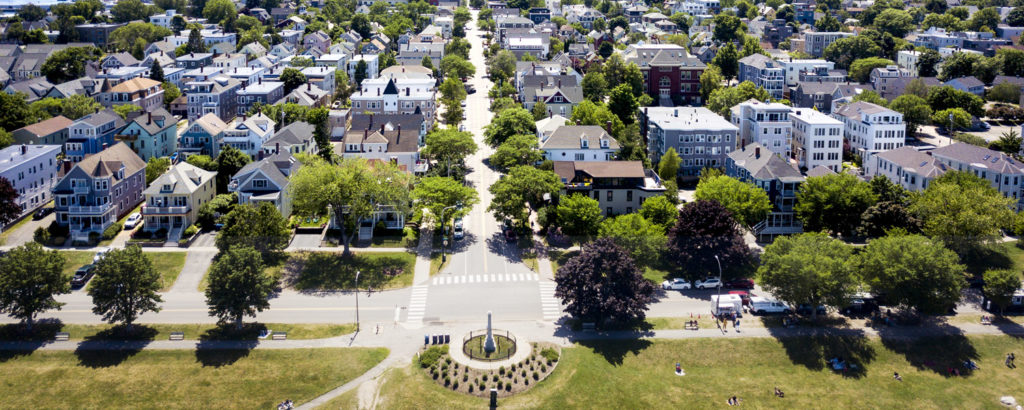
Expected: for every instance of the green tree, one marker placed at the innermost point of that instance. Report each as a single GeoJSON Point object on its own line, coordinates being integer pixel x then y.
{"type": "Point", "coordinates": [6, 139]}
{"type": "Point", "coordinates": [748, 203]}
{"type": "Point", "coordinates": [292, 79]}
{"type": "Point", "coordinates": [128, 10]}
{"type": "Point", "coordinates": [845, 51]}
{"type": "Point", "coordinates": [238, 285]}
{"type": "Point", "coordinates": [915, 110]}
{"type": "Point", "coordinates": [171, 92]}
{"type": "Point", "coordinates": [928, 63]}
{"type": "Point", "coordinates": [539, 110]}
{"type": "Point", "coordinates": [218, 10]}
{"type": "Point", "coordinates": [1012, 61]}
{"type": "Point", "coordinates": [360, 72]}
{"type": "Point", "coordinates": [522, 190]}
{"type": "Point", "coordinates": [125, 36]}
{"type": "Point", "coordinates": [894, 21]}
{"type": "Point", "coordinates": [14, 111]}
{"type": "Point", "coordinates": [643, 239]}
{"type": "Point", "coordinates": [579, 216]}
{"type": "Point", "coordinates": [944, 97]}
{"type": "Point", "coordinates": [727, 28]}
{"type": "Point", "coordinates": [195, 42]}
{"type": "Point", "coordinates": [960, 118]}
{"type": "Point", "coordinates": [622, 103]}
{"type": "Point", "coordinates": [78, 106]}
{"type": "Point", "coordinates": [603, 285]}
{"type": "Point", "coordinates": [833, 203]}
{"type": "Point", "coordinates": [456, 66]}
{"type": "Point", "coordinates": [1004, 92]}
{"type": "Point", "coordinates": [124, 109]}
{"type": "Point", "coordinates": [913, 272]}
{"type": "Point", "coordinates": [261, 227]}
{"type": "Point", "coordinates": [727, 61]}
{"type": "Point", "coordinates": [1000, 285]}
{"type": "Point", "coordinates": [229, 162]}
{"type": "Point", "coordinates": [438, 193]}
{"type": "Point", "coordinates": [660, 211]}
{"type": "Point", "coordinates": [68, 64]}
{"type": "Point", "coordinates": [1016, 17]}
{"type": "Point", "coordinates": [1008, 142]}
{"type": "Point", "coordinates": [31, 12]}
{"type": "Point", "coordinates": [156, 72]}
{"type": "Point", "coordinates": [963, 211]}
{"type": "Point", "coordinates": [501, 66]}
{"type": "Point", "coordinates": [514, 121]}
{"type": "Point", "coordinates": [710, 80]}
{"type": "Point", "coordinates": [594, 86]}
{"type": "Point", "coordinates": [155, 167]}
{"type": "Point", "coordinates": [986, 18]}
{"type": "Point", "coordinates": [828, 24]}
{"type": "Point", "coordinates": [861, 69]}
{"type": "Point", "coordinates": [871, 97]}
{"type": "Point", "coordinates": [32, 277]}
{"type": "Point", "coordinates": [448, 145]}
{"type": "Point", "coordinates": [958, 65]}
{"type": "Point", "coordinates": [723, 99]}
{"type": "Point", "coordinates": [211, 211]}
{"type": "Point", "coordinates": [126, 285]}
{"type": "Point", "coordinates": [668, 166]}
{"type": "Point", "coordinates": [809, 268]}
{"type": "Point", "coordinates": [591, 113]}
{"type": "Point", "coordinates": [453, 92]}
{"type": "Point", "coordinates": [202, 161]}
{"type": "Point", "coordinates": [515, 151]}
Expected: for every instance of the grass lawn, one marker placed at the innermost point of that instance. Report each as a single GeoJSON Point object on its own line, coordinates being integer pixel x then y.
{"type": "Point", "coordinates": [169, 265]}
{"type": "Point", "coordinates": [435, 263]}
{"type": "Point", "coordinates": [179, 378]}
{"type": "Point", "coordinates": [1000, 256]}
{"type": "Point", "coordinates": [530, 260]}
{"type": "Point", "coordinates": [76, 259]}
{"type": "Point", "coordinates": [408, 239]}
{"type": "Point", "coordinates": [559, 258]}
{"type": "Point", "coordinates": [24, 221]}
{"type": "Point", "coordinates": [639, 374]}
{"type": "Point", "coordinates": [193, 331]}
{"type": "Point", "coordinates": [333, 271]}
{"type": "Point", "coordinates": [307, 222]}
{"type": "Point", "coordinates": [274, 269]}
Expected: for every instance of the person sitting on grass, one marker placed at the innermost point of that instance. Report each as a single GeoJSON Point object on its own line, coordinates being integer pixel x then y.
{"type": "Point", "coordinates": [733, 401]}
{"type": "Point", "coordinates": [779, 393]}
{"type": "Point", "coordinates": [896, 376]}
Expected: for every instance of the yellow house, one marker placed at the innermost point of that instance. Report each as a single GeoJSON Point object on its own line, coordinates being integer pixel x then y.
{"type": "Point", "coordinates": [173, 199]}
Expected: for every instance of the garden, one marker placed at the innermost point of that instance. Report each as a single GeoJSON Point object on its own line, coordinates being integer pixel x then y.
{"type": "Point", "coordinates": [514, 379]}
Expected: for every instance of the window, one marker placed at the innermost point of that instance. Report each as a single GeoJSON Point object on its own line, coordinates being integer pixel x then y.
{"type": "Point", "coordinates": [629, 196]}
{"type": "Point", "coordinates": [259, 183]}
{"type": "Point", "coordinates": [611, 195]}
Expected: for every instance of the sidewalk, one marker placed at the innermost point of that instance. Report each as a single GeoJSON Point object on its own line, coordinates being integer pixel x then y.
{"type": "Point", "coordinates": [423, 251]}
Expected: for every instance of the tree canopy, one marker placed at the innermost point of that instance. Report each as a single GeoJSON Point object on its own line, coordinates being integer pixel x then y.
{"type": "Point", "coordinates": [643, 239]}
{"type": "Point", "coordinates": [513, 121]}
{"type": "Point", "coordinates": [126, 285]}
{"type": "Point", "coordinates": [438, 193]}
{"type": "Point", "coordinates": [833, 203]}
{"type": "Point", "coordinates": [963, 211]}
{"type": "Point", "coordinates": [238, 285]}
{"type": "Point", "coordinates": [579, 215]}
{"type": "Point", "coordinates": [808, 268]}
{"type": "Point", "coordinates": [748, 203]}
{"type": "Point", "coordinates": [31, 277]}
{"type": "Point", "coordinates": [522, 190]}
{"type": "Point", "coordinates": [913, 272]}
{"type": "Point", "coordinates": [604, 285]}
{"type": "Point", "coordinates": [705, 229]}
{"type": "Point", "coordinates": [260, 227]}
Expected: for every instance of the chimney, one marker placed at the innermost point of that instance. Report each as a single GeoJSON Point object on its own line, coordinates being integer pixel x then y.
{"type": "Point", "coordinates": [757, 152]}
{"type": "Point", "coordinates": [66, 166]}
{"type": "Point", "coordinates": [200, 69]}
{"type": "Point", "coordinates": [260, 80]}
{"type": "Point", "coordinates": [675, 113]}
{"type": "Point", "coordinates": [406, 91]}
{"type": "Point", "coordinates": [24, 149]}
{"type": "Point", "coordinates": [259, 155]}
{"type": "Point", "coordinates": [277, 148]}
{"type": "Point", "coordinates": [382, 129]}
{"type": "Point", "coordinates": [550, 114]}
{"type": "Point", "coordinates": [192, 54]}
{"type": "Point", "coordinates": [236, 69]}
{"type": "Point", "coordinates": [149, 118]}
{"type": "Point", "coordinates": [608, 127]}
{"type": "Point", "coordinates": [105, 146]}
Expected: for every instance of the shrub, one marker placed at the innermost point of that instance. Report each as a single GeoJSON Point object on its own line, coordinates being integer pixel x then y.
{"type": "Point", "coordinates": [465, 377]}
{"type": "Point", "coordinates": [447, 380]}
{"type": "Point", "coordinates": [508, 387]}
{"type": "Point", "coordinates": [536, 376]}
{"type": "Point", "coordinates": [430, 356]}
{"type": "Point", "coordinates": [59, 241]}
{"type": "Point", "coordinates": [142, 234]}
{"type": "Point", "coordinates": [550, 354]}
{"type": "Point", "coordinates": [112, 230]}
{"type": "Point", "coordinates": [434, 374]}
{"type": "Point", "coordinates": [523, 373]}
{"type": "Point", "coordinates": [191, 230]}
{"type": "Point", "coordinates": [94, 237]}
{"type": "Point", "coordinates": [500, 385]}
{"type": "Point", "coordinates": [455, 386]}
{"type": "Point", "coordinates": [448, 360]}
{"type": "Point", "coordinates": [543, 368]}
{"type": "Point", "coordinates": [41, 236]}
{"type": "Point", "coordinates": [494, 378]}
{"type": "Point", "coordinates": [471, 388]}
{"type": "Point", "coordinates": [501, 370]}
{"type": "Point", "coordinates": [483, 387]}
{"type": "Point", "coordinates": [160, 233]}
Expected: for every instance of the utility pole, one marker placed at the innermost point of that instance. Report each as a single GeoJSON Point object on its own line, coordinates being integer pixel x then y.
{"type": "Point", "coordinates": [357, 301]}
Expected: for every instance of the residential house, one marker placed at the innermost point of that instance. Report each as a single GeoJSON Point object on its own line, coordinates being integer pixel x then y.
{"type": "Point", "coordinates": [399, 95]}
{"type": "Point", "coordinates": [579, 143]}
{"type": "Point", "coordinates": [870, 129]}
{"type": "Point", "coordinates": [795, 67]}
{"type": "Point", "coordinates": [426, 46]}
{"type": "Point", "coordinates": [97, 33]}
{"type": "Point", "coordinates": [142, 92]}
{"type": "Point", "coordinates": [248, 134]}
{"type": "Point", "coordinates": [815, 43]}
{"type": "Point", "coordinates": [215, 96]}
{"type": "Point", "coordinates": [294, 138]}
{"type": "Point", "coordinates": [701, 138]}
{"type": "Point", "coordinates": [309, 96]}
{"type": "Point", "coordinates": [194, 60]}
{"type": "Point", "coordinates": [546, 126]}
{"type": "Point", "coordinates": [583, 15]}
{"type": "Point", "coordinates": [757, 165]}
{"type": "Point", "coordinates": [317, 40]}
{"type": "Point", "coordinates": [763, 72]}
{"type": "Point", "coordinates": [359, 121]}
{"type": "Point", "coordinates": [883, 78]}
{"type": "Point", "coordinates": [969, 84]}
{"type": "Point", "coordinates": [560, 93]}
{"type": "Point", "coordinates": [388, 143]}
{"type": "Point", "coordinates": [32, 171]}
{"type": "Point", "coordinates": [91, 134]}
{"type": "Point", "coordinates": [907, 60]}
{"type": "Point", "coordinates": [266, 180]}
{"type": "Point", "coordinates": [99, 190]}
{"type": "Point", "coordinates": [203, 136]}
{"type": "Point", "coordinates": [907, 167]}
{"type": "Point", "coordinates": [537, 45]}
{"type": "Point", "coordinates": [1005, 173]}
{"type": "Point", "coordinates": [817, 140]}
{"type": "Point", "coordinates": [765, 123]}
{"type": "Point", "coordinates": [333, 61]}
{"type": "Point", "coordinates": [671, 74]}
{"type": "Point", "coordinates": [813, 95]}
{"type": "Point", "coordinates": [164, 20]}
{"type": "Point", "coordinates": [253, 50]}
{"type": "Point", "coordinates": [211, 37]}
{"type": "Point", "coordinates": [151, 134]}
{"type": "Point", "coordinates": [173, 199]}
{"type": "Point", "coordinates": [322, 77]}
{"type": "Point", "coordinates": [620, 187]}
{"type": "Point", "coordinates": [53, 131]}
{"type": "Point", "coordinates": [34, 88]}
{"type": "Point", "coordinates": [262, 92]}
{"type": "Point", "coordinates": [539, 14]}
{"type": "Point", "coordinates": [118, 60]}
{"type": "Point", "coordinates": [371, 62]}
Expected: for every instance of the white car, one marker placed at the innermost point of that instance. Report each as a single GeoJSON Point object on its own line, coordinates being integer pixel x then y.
{"type": "Point", "coordinates": [100, 254]}
{"type": "Point", "coordinates": [133, 220]}
{"type": "Point", "coordinates": [458, 232]}
{"type": "Point", "coordinates": [709, 283]}
{"type": "Point", "coordinates": [676, 284]}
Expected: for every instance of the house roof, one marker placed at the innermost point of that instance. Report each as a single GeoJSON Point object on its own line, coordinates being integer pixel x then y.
{"type": "Point", "coordinates": [820, 171]}
{"type": "Point", "coordinates": [855, 109]}
{"type": "Point", "coordinates": [133, 85]}
{"type": "Point", "coordinates": [969, 82]}
{"type": "Point", "coordinates": [182, 178]}
{"type": "Point", "coordinates": [599, 169]}
{"type": "Point", "coordinates": [271, 167]}
{"type": "Point", "coordinates": [915, 161]}
{"type": "Point", "coordinates": [149, 121]}
{"type": "Point", "coordinates": [764, 165]}
{"type": "Point", "coordinates": [124, 58]}
{"type": "Point", "coordinates": [211, 124]}
{"type": "Point", "coordinates": [47, 127]}
{"type": "Point", "coordinates": [109, 161]}
{"type": "Point", "coordinates": [572, 137]}
{"type": "Point", "coordinates": [980, 157]}
{"type": "Point", "coordinates": [293, 134]}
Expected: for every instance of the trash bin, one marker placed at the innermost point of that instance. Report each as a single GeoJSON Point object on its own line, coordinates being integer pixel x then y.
{"type": "Point", "coordinates": [447, 338]}
{"type": "Point", "coordinates": [426, 340]}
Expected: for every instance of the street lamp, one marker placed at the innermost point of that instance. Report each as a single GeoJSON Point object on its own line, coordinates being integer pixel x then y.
{"type": "Point", "coordinates": [357, 301]}
{"type": "Point", "coordinates": [719, 281]}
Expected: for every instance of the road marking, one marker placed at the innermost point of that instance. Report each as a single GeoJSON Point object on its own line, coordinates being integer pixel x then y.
{"type": "Point", "coordinates": [417, 304]}
{"type": "Point", "coordinates": [551, 308]}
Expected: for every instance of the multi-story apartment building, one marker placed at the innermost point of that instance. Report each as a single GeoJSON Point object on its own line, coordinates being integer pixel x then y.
{"type": "Point", "coordinates": [794, 67]}
{"type": "Point", "coordinates": [193, 61]}
{"type": "Point", "coordinates": [322, 77]}
{"type": "Point", "coordinates": [210, 37]}
{"type": "Point", "coordinates": [907, 167]}
{"type": "Point", "coordinates": [142, 92]}
{"type": "Point", "coordinates": [151, 134]}
{"type": "Point", "coordinates": [765, 123]}
{"type": "Point", "coordinates": [757, 165]}
{"type": "Point", "coordinates": [763, 72]}
{"type": "Point", "coordinates": [396, 96]}
{"type": "Point", "coordinates": [700, 137]}
{"type": "Point", "coordinates": [870, 128]}
{"type": "Point", "coordinates": [815, 43]}
{"type": "Point", "coordinates": [372, 64]}
{"type": "Point", "coordinates": [262, 92]}
{"type": "Point", "coordinates": [249, 134]}
{"type": "Point", "coordinates": [817, 140]}
{"type": "Point", "coordinates": [620, 187]}
{"type": "Point", "coordinates": [1004, 172]}
{"type": "Point", "coordinates": [32, 171]}
{"type": "Point", "coordinates": [98, 190]}
{"type": "Point", "coordinates": [174, 198]}
{"type": "Point", "coordinates": [670, 73]}
{"type": "Point", "coordinates": [907, 60]}
{"type": "Point", "coordinates": [91, 134]}
{"type": "Point", "coordinates": [266, 180]}
{"type": "Point", "coordinates": [216, 96]}
{"type": "Point", "coordinates": [884, 78]}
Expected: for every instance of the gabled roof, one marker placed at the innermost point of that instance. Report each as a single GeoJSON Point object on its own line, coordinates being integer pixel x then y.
{"type": "Point", "coordinates": [599, 169]}
{"type": "Point", "coordinates": [293, 134]}
{"type": "Point", "coordinates": [150, 121]}
{"type": "Point", "coordinates": [391, 88]}
{"type": "Point", "coordinates": [764, 165]}
{"type": "Point", "coordinates": [182, 178]}
{"type": "Point", "coordinates": [820, 171]}
{"type": "Point", "coordinates": [969, 82]}
{"type": "Point", "coordinates": [980, 157]}
{"type": "Point", "coordinates": [133, 85]}
{"type": "Point", "coordinates": [211, 124]}
{"type": "Point", "coordinates": [109, 161]}
{"type": "Point", "coordinates": [915, 161]}
{"type": "Point", "coordinates": [572, 137]}
{"type": "Point", "coordinates": [124, 58]}
{"type": "Point", "coordinates": [276, 167]}
{"type": "Point", "coordinates": [47, 127]}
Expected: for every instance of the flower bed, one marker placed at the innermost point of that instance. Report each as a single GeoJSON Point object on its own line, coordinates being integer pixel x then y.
{"type": "Point", "coordinates": [508, 381]}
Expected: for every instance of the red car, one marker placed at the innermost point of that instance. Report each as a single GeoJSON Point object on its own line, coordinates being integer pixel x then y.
{"type": "Point", "coordinates": [740, 284]}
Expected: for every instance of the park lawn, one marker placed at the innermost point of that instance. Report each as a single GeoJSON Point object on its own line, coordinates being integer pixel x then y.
{"type": "Point", "coordinates": [435, 263]}
{"type": "Point", "coordinates": [328, 271]}
{"type": "Point", "coordinates": [559, 258]}
{"type": "Point", "coordinates": [74, 260]}
{"type": "Point", "coordinates": [209, 379]}
{"type": "Point", "coordinates": [274, 268]}
{"type": "Point", "coordinates": [639, 374]}
{"type": "Point", "coordinates": [45, 330]}
{"type": "Point", "coordinates": [169, 265]}
{"type": "Point", "coordinates": [408, 239]}
{"type": "Point", "coordinates": [1005, 255]}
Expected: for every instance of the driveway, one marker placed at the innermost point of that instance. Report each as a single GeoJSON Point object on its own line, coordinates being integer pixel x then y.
{"type": "Point", "coordinates": [23, 234]}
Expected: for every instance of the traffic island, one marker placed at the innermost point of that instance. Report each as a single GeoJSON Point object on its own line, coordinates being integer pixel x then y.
{"type": "Point", "coordinates": [455, 371]}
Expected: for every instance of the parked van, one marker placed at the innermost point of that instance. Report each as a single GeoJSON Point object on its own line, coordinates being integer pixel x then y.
{"type": "Point", "coordinates": [727, 304]}
{"type": "Point", "coordinates": [761, 306]}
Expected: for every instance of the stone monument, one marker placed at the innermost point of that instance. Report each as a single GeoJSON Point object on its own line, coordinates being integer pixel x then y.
{"type": "Point", "coordinates": [489, 342]}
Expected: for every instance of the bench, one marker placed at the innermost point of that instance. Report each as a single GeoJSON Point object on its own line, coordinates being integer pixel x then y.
{"type": "Point", "coordinates": [62, 336]}
{"type": "Point", "coordinates": [985, 320]}
{"type": "Point", "coordinates": [692, 325]}
{"type": "Point", "coordinates": [279, 336]}
{"type": "Point", "coordinates": [589, 326]}
{"type": "Point", "coordinates": [177, 336]}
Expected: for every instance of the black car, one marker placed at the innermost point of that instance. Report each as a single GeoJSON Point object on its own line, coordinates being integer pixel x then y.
{"type": "Point", "coordinates": [860, 307]}
{"type": "Point", "coordinates": [42, 212]}
{"type": "Point", "coordinates": [805, 309]}
{"type": "Point", "coordinates": [82, 276]}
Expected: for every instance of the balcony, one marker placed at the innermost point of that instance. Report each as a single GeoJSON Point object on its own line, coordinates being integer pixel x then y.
{"type": "Point", "coordinates": [164, 210]}
{"type": "Point", "coordinates": [89, 210]}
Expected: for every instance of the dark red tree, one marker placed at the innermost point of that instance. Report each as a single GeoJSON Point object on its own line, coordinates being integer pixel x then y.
{"type": "Point", "coordinates": [9, 208]}
{"type": "Point", "coordinates": [603, 285]}
{"type": "Point", "coordinates": [704, 229]}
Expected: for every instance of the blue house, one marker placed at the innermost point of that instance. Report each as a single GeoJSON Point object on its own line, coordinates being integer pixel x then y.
{"type": "Point", "coordinates": [757, 165]}
{"type": "Point", "coordinates": [91, 134]}
{"type": "Point", "coordinates": [204, 136]}
{"type": "Point", "coordinates": [152, 134]}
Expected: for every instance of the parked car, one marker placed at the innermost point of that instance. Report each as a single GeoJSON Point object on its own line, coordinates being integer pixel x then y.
{"type": "Point", "coordinates": [676, 284]}
{"type": "Point", "coordinates": [133, 220]}
{"type": "Point", "coordinates": [740, 284]}
{"type": "Point", "coordinates": [100, 254]}
{"type": "Point", "coordinates": [744, 296]}
{"type": "Point", "coordinates": [82, 275]}
{"type": "Point", "coordinates": [42, 212]}
{"type": "Point", "coordinates": [708, 283]}
{"type": "Point", "coordinates": [805, 309]}
{"type": "Point", "coordinates": [457, 231]}
{"type": "Point", "coordinates": [860, 307]}
{"type": "Point", "coordinates": [763, 306]}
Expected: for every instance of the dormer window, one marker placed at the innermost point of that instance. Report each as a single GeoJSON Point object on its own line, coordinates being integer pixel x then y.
{"type": "Point", "coordinates": [584, 143]}
{"type": "Point", "coordinates": [604, 143]}
{"type": "Point", "coordinates": [166, 188]}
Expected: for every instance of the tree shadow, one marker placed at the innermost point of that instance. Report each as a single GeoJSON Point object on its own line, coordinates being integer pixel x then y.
{"type": "Point", "coordinates": [1008, 327]}
{"type": "Point", "coordinates": [16, 340]}
{"type": "Point", "coordinates": [813, 348]}
{"type": "Point", "coordinates": [614, 351]}
{"type": "Point", "coordinates": [934, 345]}
{"type": "Point", "coordinates": [498, 245]}
{"type": "Point", "coordinates": [225, 344]}
{"type": "Point", "coordinates": [111, 347]}
{"type": "Point", "coordinates": [317, 272]}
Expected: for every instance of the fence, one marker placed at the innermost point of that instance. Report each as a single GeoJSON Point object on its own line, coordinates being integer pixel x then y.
{"type": "Point", "coordinates": [475, 349]}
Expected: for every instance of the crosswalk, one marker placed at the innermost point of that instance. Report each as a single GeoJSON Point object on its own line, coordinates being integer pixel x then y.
{"type": "Point", "coordinates": [500, 277]}
{"type": "Point", "coordinates": [550, 306]}
{"type": "Point", "coordinates": [417, 304]}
